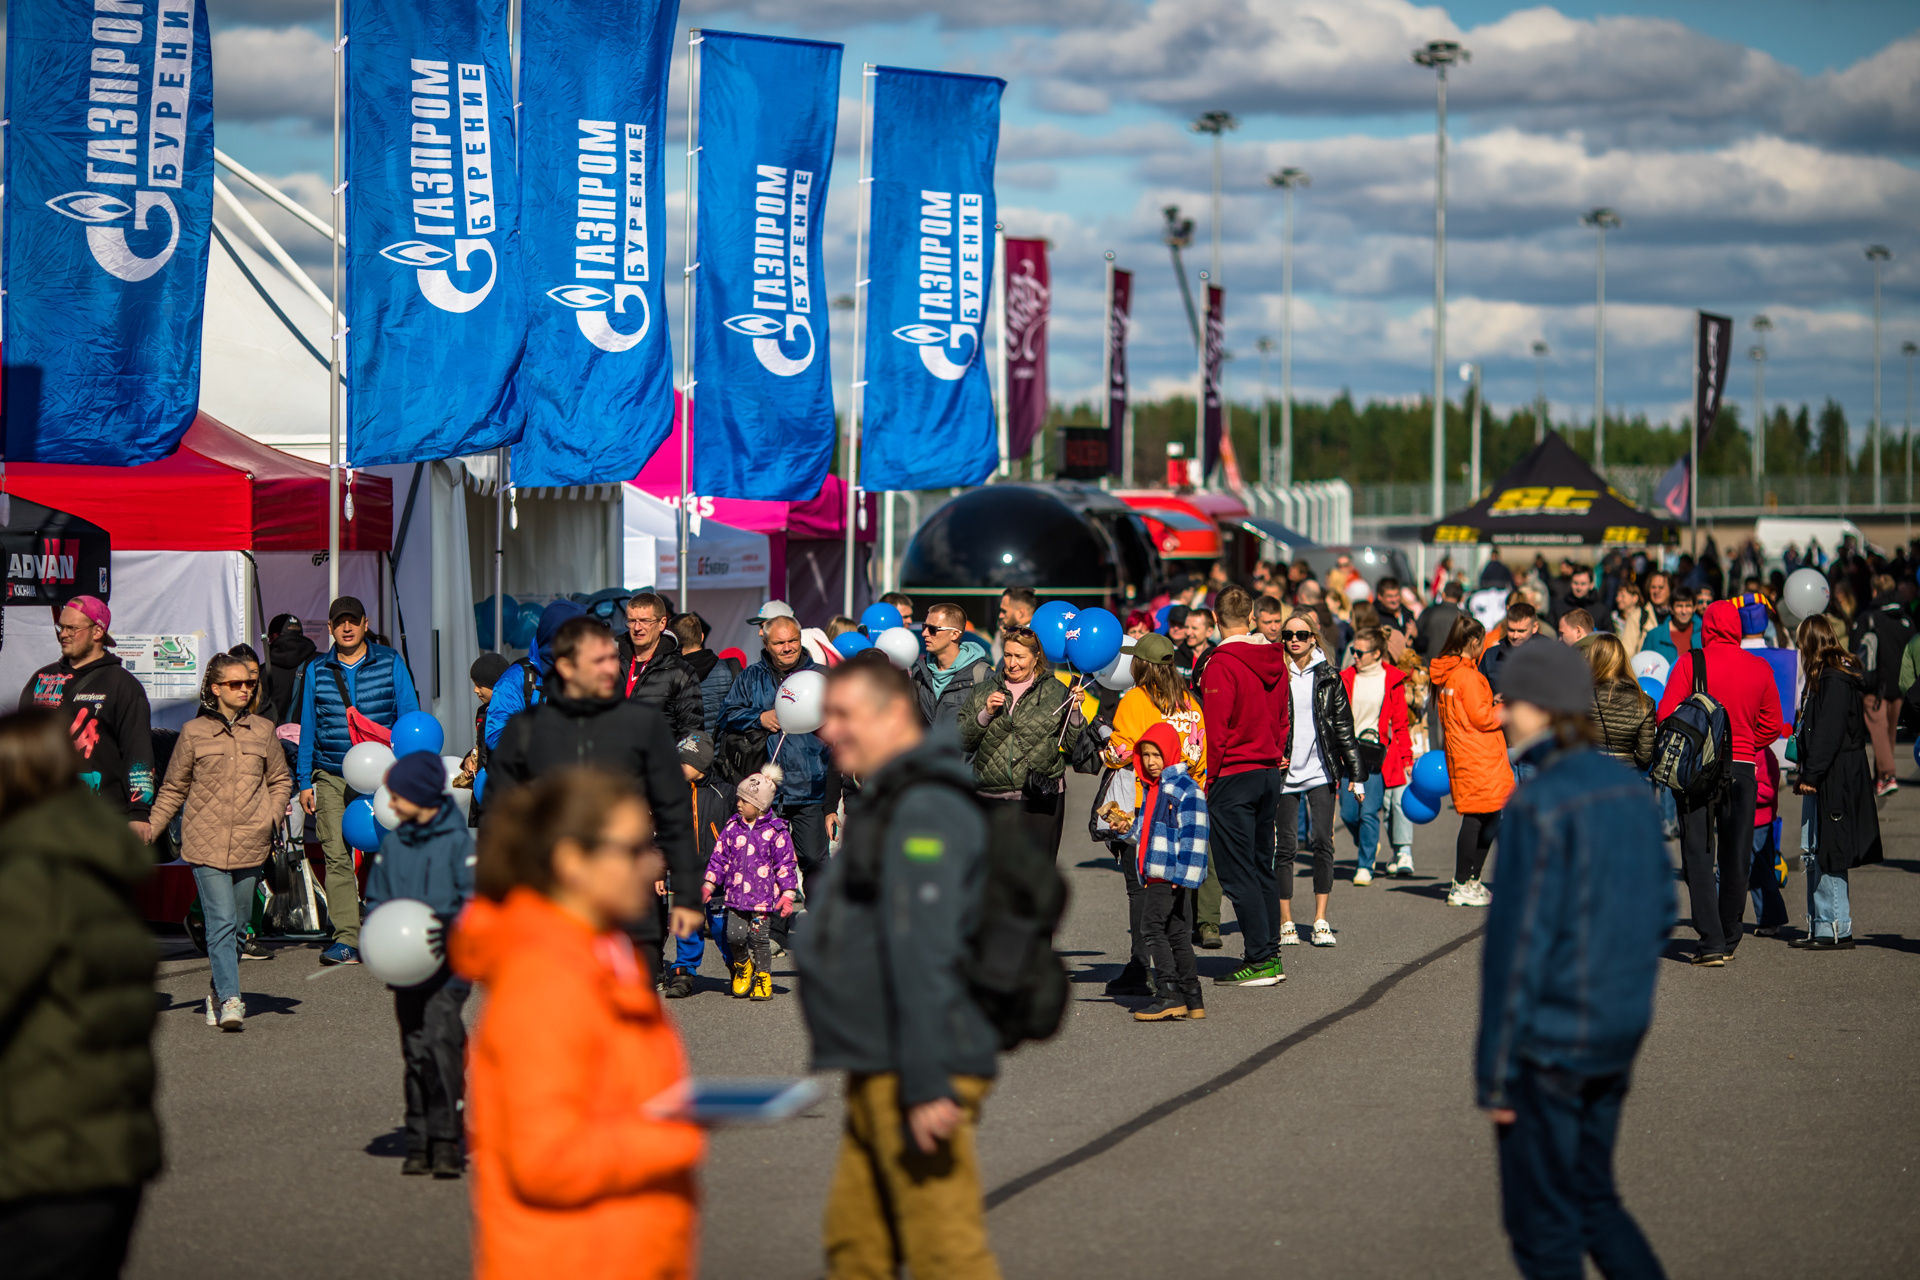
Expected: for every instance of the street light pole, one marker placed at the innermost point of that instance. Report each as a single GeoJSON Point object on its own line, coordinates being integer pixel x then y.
{"type": "Point", "coordinates": [1876, 254]}
{"type": "Point", "coordinates": [1909, 350]}
{"type": "Point", "coordinates": [1600, 220]}
{"type": "Point", "coordinates": [1761, 327]}
{"type": "Point", "coordinates": [1216, 123]}
{"type": "Point", "coordinates": [1440, 54]}
{"type": "Point", "coordinates": [1540, 350]}
{"type": "Point", "coordinates": [1265, 346]}
{"type": "Point", "coordinates": [1178, 234]}
{"type": "Point", "coordinates": [1287, 180]}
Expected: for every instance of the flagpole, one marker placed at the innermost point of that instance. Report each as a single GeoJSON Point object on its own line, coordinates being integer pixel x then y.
{"type": "Point", "coordinates": [856, 389]}
{"type": "Point", "coordinates": [1000, 345]}
{"type": "Point", "coordinates": [334, 326]}
{"type": "Point", "coordinates": [687, 383]}
{"type": "Point", "coordinates": [1106, 363]}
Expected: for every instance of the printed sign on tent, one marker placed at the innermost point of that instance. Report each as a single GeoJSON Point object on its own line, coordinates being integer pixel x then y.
{"type": "Point", "coordinates": [436, 314]}
{"type": "Point", "coordinates": [768, 110]}
{"type": "Point", "coordinates": [109, 213]}
{"type": "Point", "coordinates": [597, 380]}
{"type": "Point", "coordinates": [928, 410]}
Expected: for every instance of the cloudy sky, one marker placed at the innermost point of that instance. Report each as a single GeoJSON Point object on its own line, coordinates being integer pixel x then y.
{"type": "Point", "coordinates": [1753, 147]}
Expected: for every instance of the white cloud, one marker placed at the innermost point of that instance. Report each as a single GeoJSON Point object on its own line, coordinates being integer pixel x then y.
{"type": "Point", "coordinates": [269, 73]}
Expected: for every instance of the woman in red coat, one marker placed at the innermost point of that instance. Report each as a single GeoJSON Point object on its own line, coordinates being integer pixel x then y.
{"type": "Point", "coordinates": [1377, 690]}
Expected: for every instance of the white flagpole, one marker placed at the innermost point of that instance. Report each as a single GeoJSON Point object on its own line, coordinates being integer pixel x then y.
{"type": "Point", "coordinates": [1106, 363]}
{"type": "Point", "coordinates": [687, 292]}
{"type": "Point", "coordinates": [856, 392]}
{"type": "Point", "coordinates": [1000, 343]}
{"type": "Point", "coordinates": [335, 326]}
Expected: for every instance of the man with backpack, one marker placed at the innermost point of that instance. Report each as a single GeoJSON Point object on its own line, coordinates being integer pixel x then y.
{"type": "Point", "coordinates": [520, 687]}
{"type": "Point", "coordinates": [885, 961]}
{"type": "Point", "coordinates": [715, 673]}
{"type": "Point", "coordinates": [1721, 709]}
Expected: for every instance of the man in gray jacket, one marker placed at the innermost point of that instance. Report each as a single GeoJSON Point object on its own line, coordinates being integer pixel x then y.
{"type": "Point", "coordinates": [880, 958]}
{"type": "Point", "coordinates": [946, 673]}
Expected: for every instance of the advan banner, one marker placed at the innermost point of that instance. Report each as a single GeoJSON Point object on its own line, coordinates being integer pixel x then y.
{"type": "Point", "coordinates": [768, 109]}
{"type": "Point", "coordinates": [928, 409]}
{"type": "Point", "coordinates": [597, 380]}
{"type": "Point", "coordinates": [109, 212]}
{"type": "Point", "coordinates": [436, 313]}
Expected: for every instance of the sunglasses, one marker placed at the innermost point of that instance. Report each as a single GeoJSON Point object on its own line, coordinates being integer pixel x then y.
{"type": "Point", "coordinates": [1296, 635]}
{"type": "Point", "coordinates": [236, 684]}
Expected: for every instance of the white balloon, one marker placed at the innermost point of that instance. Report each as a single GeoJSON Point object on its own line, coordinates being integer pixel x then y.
{"type": "Point", "coordinates": [900, 645]}
{"type": "Point", "coordinates": [800, 704]}
{"type": "Point", "coordinates": [400, 942]}
{"type": "Point", "coordinates": [463, 800]}
{"type": "Point", "coordinates": [1806, 593]}
{"type": "Point", "coordinates": [453, 764]}
{"type": "Point", "coordinates": [1648, 663]}
{"type": "Point", "coordinates": [1358, 590]}
{"type": "Point", "coordinates": [366, 765]}
{"type": "Point", "coordinates": [1118, 674]}
{"type": "Point", "coordinates": [383, 809]}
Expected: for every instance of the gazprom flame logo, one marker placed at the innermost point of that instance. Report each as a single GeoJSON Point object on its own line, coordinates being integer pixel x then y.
{"type": "Point", "coordinates": [416, 253]}
{"type": "Point", "coordinates": [580, 296]}
{"type": "Point", "coordinates": [89, 206]}
{"type": "Point", "coordinates": [608, 218]}
{"type": "Point", "coordinates": [950, 270]}
{"type": "Point", "coordinates": [781, 269]}
{"type": "Point", "coordinates": [920, 334]}
{"type": "Point", "coordinates": [453, 202]}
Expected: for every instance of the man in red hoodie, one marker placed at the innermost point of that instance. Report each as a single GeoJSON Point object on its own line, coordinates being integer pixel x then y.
{"type": "Point", "coordinates": [1719, 832]}
{"type": "Point", "coordinates": [1243, 693]}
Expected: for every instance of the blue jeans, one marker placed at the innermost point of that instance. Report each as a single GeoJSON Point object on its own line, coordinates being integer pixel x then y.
{"type": "Point", "coordinates": [1829, 911]}
{"type": "Point", "coordinates": [1362, 815]}
{"type": "Point", "coordinates": [1556, 1179]}
{"type": "Point", "coordinates": [1769, 907]}
{"type": "Point", "coordinates": [226, 902]}
{"type": "Point", "coordinates": [687, 951]}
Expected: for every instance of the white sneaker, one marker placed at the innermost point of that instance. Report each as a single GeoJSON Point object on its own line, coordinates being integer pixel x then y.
{"type": "Point", "coordinates": [232, 1013]}
{"type": "Point", "coordinates": [1460, 894]}
{"type": "Point", "coordinates": [1482, 896]}
{"type": "Point", "coordinates": [1289, 936]}
{"type": "Point", "coordinates": [1402, 867]}
{"type": "Point", "coordinates": [213, 1013]}
{"type": "Point", "coordinates": [1323, 934]}
{"type": "Point", "coordinates": [1363, 877]}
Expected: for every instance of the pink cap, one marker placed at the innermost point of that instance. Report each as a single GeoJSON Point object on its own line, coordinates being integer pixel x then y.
{"type": "Point", "coordinates": [95, 610]}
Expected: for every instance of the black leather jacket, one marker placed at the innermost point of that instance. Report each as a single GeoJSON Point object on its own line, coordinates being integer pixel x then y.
{"type": "Point", "coordinates": [1333, 724]}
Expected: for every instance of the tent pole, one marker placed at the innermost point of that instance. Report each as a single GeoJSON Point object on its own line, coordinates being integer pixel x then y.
{"type": "Point", "coordinates": [267, 242]}
{"type": "Point", "coordinates": [271, 192]}
{"type": "Point", "coordinates": [335, 326]}
{"type": "Point", "coordinates": [682, 527]}
{"type": "Point", "coordinates": [855, 396]}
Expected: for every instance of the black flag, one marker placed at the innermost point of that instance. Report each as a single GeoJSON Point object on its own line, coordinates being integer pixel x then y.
{"type": "Point", "coordinates": [1119, 317]}
{"type": "Point", "coordinates": [1710, 371]}
{"type": "Point", "coordinates": [1210, 357]}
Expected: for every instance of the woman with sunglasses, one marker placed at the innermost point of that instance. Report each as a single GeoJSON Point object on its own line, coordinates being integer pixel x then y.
{"type": "Point", "coordinates": [229, 782]}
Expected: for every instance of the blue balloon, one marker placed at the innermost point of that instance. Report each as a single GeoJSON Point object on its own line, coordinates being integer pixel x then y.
{"type": "Point", "coordinates": [1094, 638]}
{"type": "Point", "coordinates": [417, 731]}
{"type": "Point", "coordinates": [1429, 780]}
{"type": "Point", "coordinates": [358, 828]}
{"type": "Point", "coordinates": [880, 617]}
{"type": "Point", "coordinates": [1050, 624]}
{"type": "Point", "coordinates": [1417, 807]}
{"type": "Point", "coordinates": [1653, 687]}
{"type": "Point", "coordinates": [852, 642]}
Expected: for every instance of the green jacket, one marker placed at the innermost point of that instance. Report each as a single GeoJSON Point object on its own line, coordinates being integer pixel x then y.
{"type": "Point", "coordinates": [1012, 742]}
{"type": "Point", "coordinates": [76, 1002]}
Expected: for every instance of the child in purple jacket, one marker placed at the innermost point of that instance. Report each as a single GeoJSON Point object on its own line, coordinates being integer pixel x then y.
{"type": "Point", "coordinates": [754, 868]}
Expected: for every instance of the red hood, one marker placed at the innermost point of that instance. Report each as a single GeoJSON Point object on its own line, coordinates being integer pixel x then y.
{"type": "Point", "coordinates": [1721, 623]}
{"type": "Point", "coordinates": [1166, 740]}
{"type": "Point", "coordinates": [1266, 662]}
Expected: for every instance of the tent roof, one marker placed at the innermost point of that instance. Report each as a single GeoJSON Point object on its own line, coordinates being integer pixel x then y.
{"type": "Point", "coordinates": [219, 491]}
{"type": "Point", "coordinates": [1551, 496]}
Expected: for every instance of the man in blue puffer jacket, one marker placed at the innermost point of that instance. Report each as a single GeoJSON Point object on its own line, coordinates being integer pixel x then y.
{"type": "Point", "coordinates": [371, 679]}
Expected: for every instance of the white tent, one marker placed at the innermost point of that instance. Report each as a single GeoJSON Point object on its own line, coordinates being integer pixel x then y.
{"type": "Point", "coordinates": [728, 566]}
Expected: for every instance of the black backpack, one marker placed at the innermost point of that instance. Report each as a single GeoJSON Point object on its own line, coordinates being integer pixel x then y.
{"type": "Point", "coordinates": [1693, 744]}
{"type": "Point", "coordinates": [1012, 972]}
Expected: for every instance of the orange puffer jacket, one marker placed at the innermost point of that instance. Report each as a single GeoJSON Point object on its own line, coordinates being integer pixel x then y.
{"type": "Point", "coordinates": [571, 1176]}
{"type": "Point", "coordinates": [1478, 771]}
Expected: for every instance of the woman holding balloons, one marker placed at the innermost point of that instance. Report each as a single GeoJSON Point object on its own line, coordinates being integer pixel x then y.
{"type": "Point", "coordinates": [1621, 707]}
{"type": "Point", "coordinates": [1018, 727]}
{"type": "Point", "coordinates": [1478, 772]}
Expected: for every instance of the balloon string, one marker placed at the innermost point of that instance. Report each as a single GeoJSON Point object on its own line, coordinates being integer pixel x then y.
{"type": "Point", "coordinates": [776, 747]}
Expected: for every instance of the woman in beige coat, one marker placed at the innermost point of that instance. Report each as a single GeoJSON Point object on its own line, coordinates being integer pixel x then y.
{"type": "Point", "coordinates": [229, 782]}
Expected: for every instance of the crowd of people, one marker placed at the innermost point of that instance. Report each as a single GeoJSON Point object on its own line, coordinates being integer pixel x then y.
{"type": "Point", "coordinates": [634, 797]}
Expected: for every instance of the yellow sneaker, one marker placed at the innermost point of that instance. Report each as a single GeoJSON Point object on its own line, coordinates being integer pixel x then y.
{"type": "Point", "coordinates": [742, 979]}
{"type": "Point", "coordinates": [762, 985]}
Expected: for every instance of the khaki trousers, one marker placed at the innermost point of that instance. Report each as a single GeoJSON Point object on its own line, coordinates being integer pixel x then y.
{"type": "Point", "coordinates": [891, 1204]}
{"type": "Point", "coordinates": [330, 797]}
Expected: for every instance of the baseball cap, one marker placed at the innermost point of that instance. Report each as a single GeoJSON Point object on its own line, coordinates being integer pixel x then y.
{"type": "Point", "coordinates": [1154, 648]}
{"type": "Point", "coordinates": [345, 607]}
{"type": "Point", "coordinates": [97, 612]}
{"type": "Point", "coordinates": [773, 609]}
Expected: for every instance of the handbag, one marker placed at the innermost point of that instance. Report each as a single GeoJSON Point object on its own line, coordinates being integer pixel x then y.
{"type": "Point", "coordinates": [1373, 754]}
{"type": "Point", "coordinates": [1113, 805]}
{"type": "Point", "coordinates": [359, 728]}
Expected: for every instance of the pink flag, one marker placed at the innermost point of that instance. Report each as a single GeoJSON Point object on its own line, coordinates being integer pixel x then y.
{"type": "Point", "coordinates": [1027, 299]}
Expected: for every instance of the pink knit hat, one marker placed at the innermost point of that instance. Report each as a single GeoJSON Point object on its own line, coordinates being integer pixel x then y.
{"type": "Point", "coordinates": [758, 789]}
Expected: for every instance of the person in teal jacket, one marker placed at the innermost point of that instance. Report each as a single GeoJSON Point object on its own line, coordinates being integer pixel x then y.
{"type": "Point", "coordinates": [1684, 621]}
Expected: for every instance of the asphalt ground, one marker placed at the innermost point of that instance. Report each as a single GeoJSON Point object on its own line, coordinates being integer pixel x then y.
{"type": "Point", "coordinates": [1323, 1127]}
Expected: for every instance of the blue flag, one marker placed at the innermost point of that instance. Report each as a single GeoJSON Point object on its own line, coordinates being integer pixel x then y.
{"type": "Point", "coordinates": [109, 211]}
{"type": "Point", "coordinates": [927, 415]}
{"type": "Point", "coordinates": [435, 310]}
{"type": "Point", "coordinates": [597, 380]}
{"type": "Point", "coordinates": [763, 406]}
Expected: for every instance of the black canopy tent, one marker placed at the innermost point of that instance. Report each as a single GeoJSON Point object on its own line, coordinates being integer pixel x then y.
{"type": "Point", "coordinates": [51, 556]}
{"type": "Point", "coordinates": [1552, 497]}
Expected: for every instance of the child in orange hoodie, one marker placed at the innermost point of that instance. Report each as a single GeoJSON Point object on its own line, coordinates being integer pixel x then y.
{"type": "Point", "coordinates": [1478, 772]}
{"type": "Point", "coordinates": [572, 1174]}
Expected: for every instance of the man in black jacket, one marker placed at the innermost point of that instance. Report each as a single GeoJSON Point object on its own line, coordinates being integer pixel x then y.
{"type": "Point", "coordinates": [945, 674]}
{"type": "Point", "coordinates": [583, 720]}
{"type": "Point", "coordinates": [883, 992]}
{"type": "Point", "coordinates": [1523, 627]}
{"type": "Point", "coordinates": [1580, 594]}
{"type": "Point", "coordinates": [655, 675]}
{"type": "Point", "coordinates": [103, 707]}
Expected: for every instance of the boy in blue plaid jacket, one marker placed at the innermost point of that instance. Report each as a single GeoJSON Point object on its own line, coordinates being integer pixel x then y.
{"type": "Point", "coordinates": [1170, 849]}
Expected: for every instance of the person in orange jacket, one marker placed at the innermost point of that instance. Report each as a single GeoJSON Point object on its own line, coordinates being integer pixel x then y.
{"type": "Point", "coordinates": [573, 1174]}
{"type": "Point", "coordinates": [1478, 772]}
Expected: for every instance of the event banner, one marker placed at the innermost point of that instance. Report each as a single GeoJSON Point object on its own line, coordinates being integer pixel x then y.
{"type": "Point", "coordinates": [1211, 415]}
{"type": "Point", "coordinates": [597, 380]}
{"type": "Point", "coordinates": [1025, 305]}
{"type": "Point", "coordinates": [435, 313]}
{"type": "Point", "coordinates": [109, 213]}
{"type": "Point", "coordinates": [1710, 370]}
{"type": "Point", "coordinates": [927, 417]}
{"type": "Point", "coordinates": [1119, 317]}
{"type": "Point", "coordinates": [768, 110]}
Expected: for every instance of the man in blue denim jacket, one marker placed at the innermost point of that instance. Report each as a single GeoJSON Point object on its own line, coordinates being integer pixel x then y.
{"type": "Point", "coordinates": [1572, 951]}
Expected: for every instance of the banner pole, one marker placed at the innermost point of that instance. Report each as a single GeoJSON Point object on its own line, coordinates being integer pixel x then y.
{"type": "Point", "coordinates": [499, 548]}
{"type": "Point", "coordinates": [333, 364]}
{"type": "Point", "coordinates": [1000, 344]}
{"type": "Point", "coordinates": [682, 526]}
{"type": "Point", "coordinates": [863, 210]}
